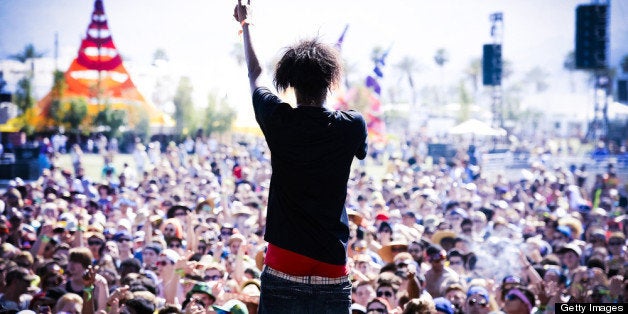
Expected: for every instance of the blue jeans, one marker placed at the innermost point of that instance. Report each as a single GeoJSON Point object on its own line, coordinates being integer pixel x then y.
{"type": "Point", "coordinates": [279, 296]}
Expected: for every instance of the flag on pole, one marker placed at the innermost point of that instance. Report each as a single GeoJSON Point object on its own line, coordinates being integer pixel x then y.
{"type": "Point", "coordinates": [374, 120]}
{"type": "Point", "coordinates": [341, 39]}
{"type": "Point", "coordinates": [342, 100]}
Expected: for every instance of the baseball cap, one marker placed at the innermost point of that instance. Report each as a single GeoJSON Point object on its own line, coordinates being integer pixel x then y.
{"type": "Point", "coordinates": [571, 247]}
{"type": "Point", "coordinates": [443, 305]}
{"type": "Point", "coordinates": [232, 307]}
{"type": "Point", "coordinates": [479, 291]}
{"type": "Point", "coordinates": [19, 273]}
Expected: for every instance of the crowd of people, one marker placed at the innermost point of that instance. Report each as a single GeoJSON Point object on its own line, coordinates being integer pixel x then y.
{"type": "Point", "coordinates": [180, 230]}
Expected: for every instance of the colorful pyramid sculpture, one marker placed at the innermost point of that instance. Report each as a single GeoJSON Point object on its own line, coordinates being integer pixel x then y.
{"type": "Point", "coordinates": [98, 75]}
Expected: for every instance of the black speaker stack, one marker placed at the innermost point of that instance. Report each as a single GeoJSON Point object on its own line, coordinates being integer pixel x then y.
{"type": "Point", "coordinates": [591, 37]}
{"type": "Point", "coordinates": [492, 65]}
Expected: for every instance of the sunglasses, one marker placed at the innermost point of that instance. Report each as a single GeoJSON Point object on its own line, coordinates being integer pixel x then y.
{"type": "Point", "coordinates": [212, 278]}
{"type": "Point", "coordinates": [480, 302]}
{"type": "Point", "coordinates": [198, 302]}
{"type": "Point", "coordinates": [99, 243]}
{"type": "Point", "coordinates": [163, 263]}
{"type": "Point", "coordinates": [180, 214]}
{"type": "Point", "coordinates": [467, 230]}
{"type": "Point", "coordinates": [615, 243]}
{"type": "Point", "coordinates": [175, 245]}
{"type": "Point", "coordinates": [436, 258]}
{"type": "Point", "coordinates": [511, 297]}
{"type": "Point", "coordinates": [123, 240]}
{"type": "Point", "coordinates": [455, 262]}
{"type": "Point", "coordinates": [387, 294]}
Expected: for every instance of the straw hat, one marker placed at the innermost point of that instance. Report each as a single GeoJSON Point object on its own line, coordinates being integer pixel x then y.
{"type": "Point", "coordinates": [439, 235]}
{"type": "Point", "coordinates": [206, 205]}
{"type": "Point", "coordinates": [574, 224]}
{"type": "Point", "coordinates": [386, 251]}
{"type": "Point", "coordinates": [355, 216]}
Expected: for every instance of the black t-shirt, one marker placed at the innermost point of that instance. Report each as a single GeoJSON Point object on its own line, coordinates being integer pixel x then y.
{"type": "Point", "coordinates": [311, 153]}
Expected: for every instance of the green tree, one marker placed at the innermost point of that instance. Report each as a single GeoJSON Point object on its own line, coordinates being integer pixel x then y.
{"type": "Point", "coordinates": [184, 113]}
{"type": "Point", "coordinates": [219, 116]}
{"type": "Point", "coordinates": [112, 120]}
{"type": "Point", "coordinates": [142, 129]}
{"type": "Point", "coordinates": [23, 96]}
{"type": "Point", "coordinates": [58, 89]}
{"type": "Point", "coordinates": [75, 115]}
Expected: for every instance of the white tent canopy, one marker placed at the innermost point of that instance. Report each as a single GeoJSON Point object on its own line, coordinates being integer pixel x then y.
{"type": "Point", "coordinates": [476, 127]}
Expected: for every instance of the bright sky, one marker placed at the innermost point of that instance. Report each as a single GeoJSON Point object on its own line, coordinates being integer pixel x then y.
{"type": "Point", "coordinates": [199, 35]}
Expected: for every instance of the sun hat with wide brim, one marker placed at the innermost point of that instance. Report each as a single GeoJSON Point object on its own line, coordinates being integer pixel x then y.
{"type": "Point", "coordinates": [386, 251]}
{"type": "Point", "coordinates": [355, 216]}
{"type": "Point", "coordinates": [439, 235]}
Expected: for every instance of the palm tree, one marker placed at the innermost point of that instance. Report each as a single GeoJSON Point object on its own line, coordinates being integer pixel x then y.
{"type": "Point", "coordinates": [24, 98]}
{"type": "Point", "coordinates": [441, 58]}
{"type": "Point", "coordinates": [28, 54]}
{"type": "Point", "coordinates": [160, 54]}
{"type": "Point", "coordinates": [538, 78]}
{"type": "Point", "coordinates": [569, 64]}
{"type": "Point", "coordinates": [237, 52]}
{"type": "Point", "coordinates": [376, 54]}
{"type": "Point", "coordinates": [408, 66]}
{"type": "Point", "coordinates": [474, 72]}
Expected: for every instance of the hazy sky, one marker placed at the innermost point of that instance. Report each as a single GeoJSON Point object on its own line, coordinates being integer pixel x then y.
{"type": "Point", "coordinates": [199, 35]}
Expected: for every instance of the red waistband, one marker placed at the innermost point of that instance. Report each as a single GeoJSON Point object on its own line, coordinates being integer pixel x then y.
{"type": "Point", "coordinates": [300, 265]}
